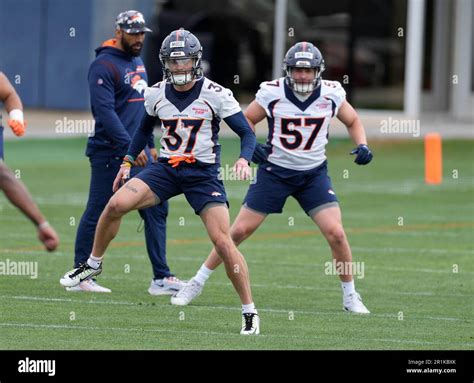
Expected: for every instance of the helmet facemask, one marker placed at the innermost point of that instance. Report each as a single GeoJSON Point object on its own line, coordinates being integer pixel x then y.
{"type": "Point", "coordinates": [178, 76]}
{"type": "Point", "coordinates": [304, 86]}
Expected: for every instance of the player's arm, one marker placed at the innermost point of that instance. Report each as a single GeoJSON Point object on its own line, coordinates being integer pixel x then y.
{"type": "Point", "coordinates": [152, 147]}
{"type": "Point", "coordinates": [140, 139]}
{"type": "Point", "coordinates": [254, 114]}
{"type": "Point", "coordinates": [13, 105]}
{"type": "Point", "coordinates": [349, 117]}
{"type": "Point", "coordinates": [238, 123]}
{"type": "Point", "coordinates": [19, 196]}
{"type": "Point", "coordinates": [143, 136]}
{"type": "Point", "coordinates": [102, 93]}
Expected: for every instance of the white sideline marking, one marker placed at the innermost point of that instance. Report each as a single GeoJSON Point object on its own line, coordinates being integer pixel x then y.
{"type": "Point", "coordinates": [141, 330]}
{"type": "Point", "coordinates": [270, 310]}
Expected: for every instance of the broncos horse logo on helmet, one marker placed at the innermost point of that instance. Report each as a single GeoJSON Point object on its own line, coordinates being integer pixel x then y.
{"type": "Point", "coordinates": [179, 47]}
{"type": "Point", "coordinates": [303, 55]}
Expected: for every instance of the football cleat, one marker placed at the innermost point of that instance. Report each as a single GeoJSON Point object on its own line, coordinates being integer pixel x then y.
{"type": "Point", "coordinates": [80, 274]}
{"type": "Point", "coordinates": [166, 286]}
{"type": "Point", "coordinates": [353, 303]}
{"type": "Point", "coordinates": [189, 292]}
{"type": "Point", "coordinates": [250, 324]}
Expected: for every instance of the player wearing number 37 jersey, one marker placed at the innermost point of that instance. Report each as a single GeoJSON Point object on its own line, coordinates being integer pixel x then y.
{"type": "Point", "coordinates": [189, 108]}
{"type": "Point", "coordinates": [298, 108]}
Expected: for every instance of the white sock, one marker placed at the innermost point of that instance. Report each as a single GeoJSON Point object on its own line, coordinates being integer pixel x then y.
{"type": "Point", "coordinates": [203, 274]}
{"type": "Point", "coordinates": [348, 287]}
{"type": "Point", "coordinates": [249, 309]}
{"type": "Point", "coordinates": [94, 262]}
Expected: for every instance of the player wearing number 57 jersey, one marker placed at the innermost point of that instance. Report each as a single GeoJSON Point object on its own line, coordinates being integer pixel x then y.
{"type": "Point", "coordinates": [189, 108]}
{"type": "Point", "coordinates": [298, 108]}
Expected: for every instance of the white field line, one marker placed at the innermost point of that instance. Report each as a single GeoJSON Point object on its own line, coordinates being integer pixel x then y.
{"type": "Point", "coordinates": [215, 333]}
{"type": "Point", "coordinates": [301, 287]}
{"type": "Point", "coordinates": [338, 291]}
{"type": "Point", "coordinates": [269, 310]}
{"type": "Point", "coordinates": [267, 261]}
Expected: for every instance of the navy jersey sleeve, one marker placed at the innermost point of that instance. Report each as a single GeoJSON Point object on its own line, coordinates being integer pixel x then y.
{"type": "Point", "coordinates": [102, 94]}
{"type": "Point", "coordinates": [143, 135]}
{"type": "Point", "coordinates": [239, 125]}
{"type": "Point", "coordinates": [151, 141]}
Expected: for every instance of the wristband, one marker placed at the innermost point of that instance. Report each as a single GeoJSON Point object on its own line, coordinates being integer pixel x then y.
{"type": "Point", "coordinates": [128, 159]}
{"type": "Point", "coordinates": [16, 114]}
{"type": "Point", "coordinates": [43, 225]}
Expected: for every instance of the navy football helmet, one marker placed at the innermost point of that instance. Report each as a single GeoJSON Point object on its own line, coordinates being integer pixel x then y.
{"type": "Point", "coordinates": [303, 55]}
{"type": "Point", "coordinates": [181, 47]}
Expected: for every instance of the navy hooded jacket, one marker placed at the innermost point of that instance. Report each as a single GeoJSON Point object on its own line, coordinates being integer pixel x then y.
{"type": "Point", "coordinates": [117, 82]}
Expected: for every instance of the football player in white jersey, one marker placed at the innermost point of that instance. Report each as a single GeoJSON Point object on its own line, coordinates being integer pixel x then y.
{"type": "Point", "coordinates": [189, 108]}
{"type": "Point", "coordinates": [298, 108]}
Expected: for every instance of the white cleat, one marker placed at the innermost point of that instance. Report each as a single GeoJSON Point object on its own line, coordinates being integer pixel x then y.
{"type": "Point", "coordinates": [89, 285]}
{"type": "Point", "coordinates": [80, 274]}
{"type": "Point", "coordinates": [189, 292]}
{"type": "Point", "coordinates": [353, 303]}
{"type": "Point", "coordinates": [165, 286]}
{"type": "Point", "coordinates": [250, 324]}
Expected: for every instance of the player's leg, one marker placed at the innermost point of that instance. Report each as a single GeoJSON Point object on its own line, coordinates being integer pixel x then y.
{"type": "Point", "coordinates": [328, 218]}
{"type": "Point", "coordinates": [103, 172]}
{"type": "Point", "coordinates": [163, 282]}
{"type": "Point", "coordinates": [329, 221]}
{"type": "Point", "coordinates": [135, 194]}
{"type": "Point", "coordinates": [216, 219]}
{"type": "Point", "coordinates": [246, 223]}
{"type": "Point", "coordinates": [317, 198]}
{"type": "Point", "coordinates": [244, 226]}
{"type": "Point", "coordinates": [267, 195]}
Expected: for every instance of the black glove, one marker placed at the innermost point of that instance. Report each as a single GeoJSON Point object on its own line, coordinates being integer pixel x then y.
{"type": "Point", "coordinates": [261, 153]}
{"type": "Point", "coordinates": [364, 154]}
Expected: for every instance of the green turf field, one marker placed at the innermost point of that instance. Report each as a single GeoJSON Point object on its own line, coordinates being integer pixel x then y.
{"type": "Point", "coordinates": [417, 299]}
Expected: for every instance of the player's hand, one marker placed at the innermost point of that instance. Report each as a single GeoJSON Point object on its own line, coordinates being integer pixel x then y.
{"type": "Point", "coordinates": [242, 169]}
{"type": "Point", "coordinates": [364, 154]}
{"type": "Point", "coordinates": [48, 236]}
{"type": "Point", "coordinates": [154, 154]}
{"type": "Point", "coordinates": [260, 154]}
{"type": "Point", "coordinates": [122, 177]}
{"type": "Point", "coordinates": [18, 127]}
{"type": "Point", "coordinates": [141, 160]}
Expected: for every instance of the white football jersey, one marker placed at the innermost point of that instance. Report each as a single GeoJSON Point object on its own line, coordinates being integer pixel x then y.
{"type": "Point", "coordinates": [298, 130]}
{"type": "Point", "coordinates": [190, 124]}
